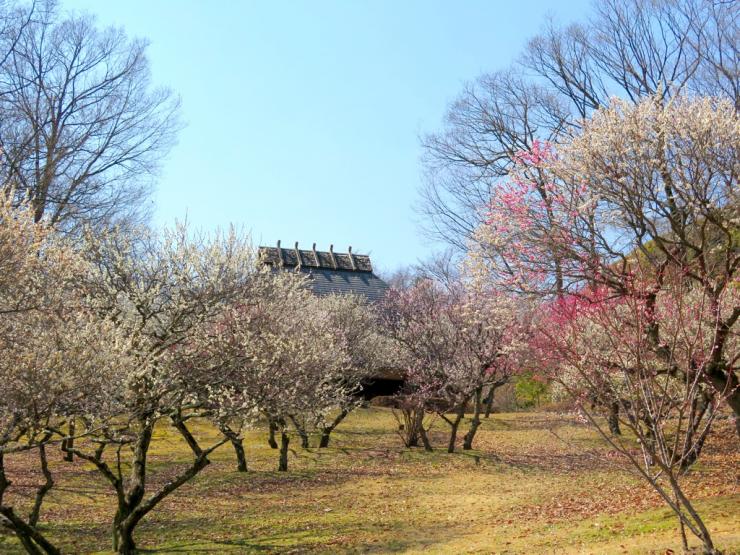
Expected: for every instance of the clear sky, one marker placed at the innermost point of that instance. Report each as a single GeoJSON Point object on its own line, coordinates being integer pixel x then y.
{"type": "Point", "coordinates": [303, 117]}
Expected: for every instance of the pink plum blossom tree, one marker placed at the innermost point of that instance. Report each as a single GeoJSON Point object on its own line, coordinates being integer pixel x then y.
{"type": "Point", "coordinates": [454, 343]}
{"type": "Point", "coordinates": [647, 188]}
{"type": "Point", "coordinates": [636, 251]}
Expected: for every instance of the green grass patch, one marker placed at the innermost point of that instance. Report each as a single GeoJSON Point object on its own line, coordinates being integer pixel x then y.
{"type": "Point", "coordinates": [535, 483]}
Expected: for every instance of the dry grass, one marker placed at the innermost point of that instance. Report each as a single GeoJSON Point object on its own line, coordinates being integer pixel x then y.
{"type": "Point", "coordinates": [537, 483]}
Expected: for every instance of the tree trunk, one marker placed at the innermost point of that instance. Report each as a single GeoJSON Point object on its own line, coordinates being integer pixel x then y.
{"type": "Point", "coordinates": [454, 425]}
{"type": "Point", "coordinates": [123, 538]}
{"type": "Point", "coordinates": [241, 458]}
{"type": "Point", "coordinates": [41, 492]}
{"type": "Point", "coordinates": [410, 427]}
{"type": "Point", "coordinates": [301, 430]}
{"type": "Point", "coordinates": [649, 441]}
{"type": "Point", "coordinates": [413, 438]}
{"type": "Point", "coordinates": [325, 436]}
{"type": "Point", "coordinates": [612, 419]}
{"type": "Point", "coordinates": [69, 442]}
{"type": "Point", "coordinates": [284, 441]}
{"type": "Point", "coordinates": [693, 445]}
{"type": "Point", "coordinates": [132, 507]}
{"type": "Point", "coordinates": [238, 444]}
{"type": "Point", "coordinates": [412, 430]}
{"type": "Point", "coordinates": [327, 430]}
{"type": "Point", "coordinates": [697, 524]}
{"type": "Point", "coordinates": [733, 400]}
{"type": "Point", "coordinates": [32, 540]}
{"type": "Point", "coordinates": [271, 438]}
{"type": "Point", "coordinates": [130, 515]}
{"type": "Point", "coordinates": [470, 436]}
{"type": "Point", "coordinates": [424, 437]}
{"type": "Point", "coordinates": [489, 400]}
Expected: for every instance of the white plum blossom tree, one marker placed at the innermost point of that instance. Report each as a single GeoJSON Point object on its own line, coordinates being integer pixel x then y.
{"type": "Point", "coordinates": [158, 291]}
{"type": "Point", "coordinates": [52, 346]}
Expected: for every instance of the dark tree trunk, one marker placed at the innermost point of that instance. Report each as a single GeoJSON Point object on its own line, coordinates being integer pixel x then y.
{"type": "Point", "coordinates": [241, 458]}
{"type": "Point", "coordinates": [128, 501]}
{"type": "Point", "coordinates": [283, 462]}
{"type": "Point", "coordinates": [28, 545]}
{"type": "Point", "coordinates": [413, 428]}
{"type": "Point", "coordinates": [424, 437]}
{"type": "Point", "coordinates": [301, 430]}
{"type": "Point", "coordinates": [453, 436]}
{"type": "Point", "coordinates": [612, 419]}
{"type": "Point", "coordinates": [132, 507]}
{"type": "Point", "coordinates": [41, 492]}
{"type": "Point", "coordinates": [324, 441]}
{"type": "Point", "coordinates": [69, 442]}
{"type": "Point", "coordinates": [124, 541]}
{"type": "Point", "coordinates": [702, 406]}
{"type": "Point", "coordinates": [271, 437]}
{"type": "Point", "coordinates": [409, 430]}
{"type": "Point", "coordinates": [730, 385]}
{"type": "Point", "coordinates": [238, 444]}
{"type": "Point", "coordinates": [454, 425]}
{"type": "Point", "coordinates": [470, 436]}
{"type": "Point", "coordinates": [327, 430]}
{"type": "Point", "coordinates": [32, 540]}
{"type": "Point", "coordinates": [650, 443]}
{"type": "Point", "coordinates": [489, 400]}
{"type": "Point", "coordinates": [698, 523]}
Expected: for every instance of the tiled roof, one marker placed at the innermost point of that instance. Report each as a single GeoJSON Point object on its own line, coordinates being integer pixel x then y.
{"type": "Point", "coordinates": [330, 272]}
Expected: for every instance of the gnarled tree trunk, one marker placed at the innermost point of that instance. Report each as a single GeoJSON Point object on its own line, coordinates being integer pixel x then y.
{"type": "Point", "coordinates": [238, 444]}
{"type": "Point", "coordinates": [30, 537]}
{"type": "Point", "coordinates": [284, 442]}
{"type": "Point", "coordinates": [454, 425]}
{"type": "Point", "coordinates": [612, 419]}
{"type": "Point", "coordinates": [272, 430]}
{"type": "Point", "coordinates": [470, 436]}
{"type": "Point", "coordinates": [301, 431]}
{"type": "Point", "coordinates": [327, 430]}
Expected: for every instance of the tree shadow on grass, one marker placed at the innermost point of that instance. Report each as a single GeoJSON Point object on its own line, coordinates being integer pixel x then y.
{"type": "Point", "coordinates": [392, 537]}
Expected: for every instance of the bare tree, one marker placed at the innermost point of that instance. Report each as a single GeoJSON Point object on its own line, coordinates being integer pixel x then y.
{"type": "Point", "coordinates": [494, 118]}
{"type": "Point", "coordinates": [82, 130]}
{"type": "Point", "coordinates": [631, 49]}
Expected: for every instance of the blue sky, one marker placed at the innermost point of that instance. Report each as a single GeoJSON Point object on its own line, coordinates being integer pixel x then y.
{"type": "Point", "coordinates": [303, 118]}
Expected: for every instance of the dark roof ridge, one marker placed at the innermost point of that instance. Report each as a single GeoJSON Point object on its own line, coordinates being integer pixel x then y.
{"type": "Point", "coordinates": [311, 258]}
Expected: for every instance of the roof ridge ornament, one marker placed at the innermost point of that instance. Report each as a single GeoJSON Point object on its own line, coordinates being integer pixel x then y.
{"type": "Point", "coordinates": [280, 254]}
{"type": "Point", "coordinates": [331, 255]}
{"type": "Point", "coordinates": [351, 258]}
{"type": "Point", "coordinates": [316, 256]}
{"type": "Point", "coordinates": [298, 256]}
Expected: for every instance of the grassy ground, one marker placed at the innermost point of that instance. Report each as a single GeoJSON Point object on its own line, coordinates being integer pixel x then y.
{"type": "Point", "coordinates": [537, 483]}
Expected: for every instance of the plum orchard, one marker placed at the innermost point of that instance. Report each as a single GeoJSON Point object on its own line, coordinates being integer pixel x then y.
{"type": "Point", "coordinates": [106, 338]}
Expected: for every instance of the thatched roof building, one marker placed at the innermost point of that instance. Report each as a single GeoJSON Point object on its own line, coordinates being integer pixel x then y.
{"type": "Point", "coordinates": [329, 271]}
